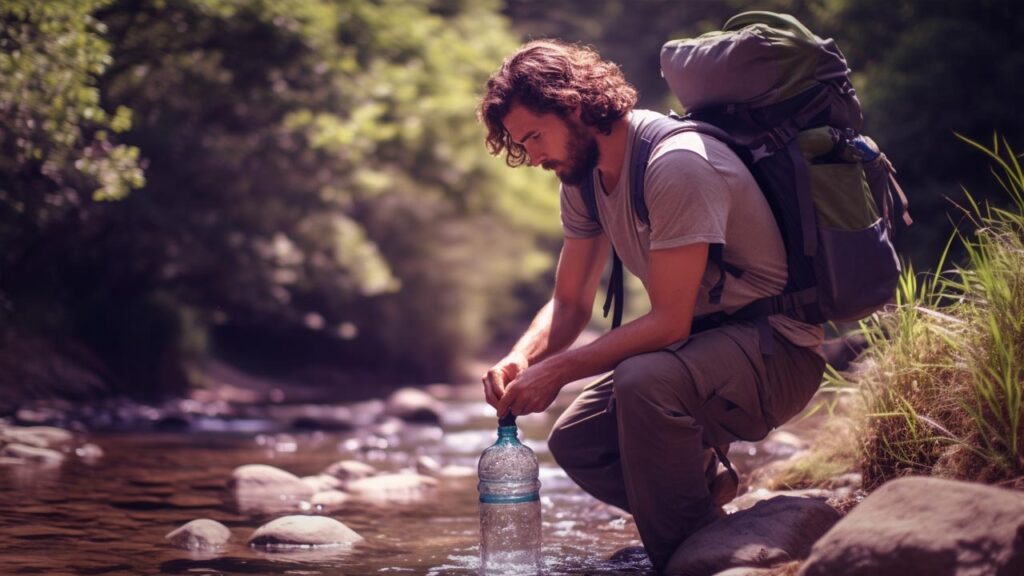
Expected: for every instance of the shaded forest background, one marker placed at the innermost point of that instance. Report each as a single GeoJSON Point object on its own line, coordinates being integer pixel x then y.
{"type": "Point", "coordinates": [301, 188]}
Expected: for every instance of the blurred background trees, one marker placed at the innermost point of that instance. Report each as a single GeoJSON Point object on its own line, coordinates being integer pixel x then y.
{"type": "Point", "coordinates": [303, 183]}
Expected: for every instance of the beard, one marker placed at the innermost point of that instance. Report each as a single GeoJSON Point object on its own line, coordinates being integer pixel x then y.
{"type": "Point", "coordinates": [583, 156]}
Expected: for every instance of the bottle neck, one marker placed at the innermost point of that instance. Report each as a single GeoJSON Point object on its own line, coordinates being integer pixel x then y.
{"type": "Point", "coordinates": [508, 434]}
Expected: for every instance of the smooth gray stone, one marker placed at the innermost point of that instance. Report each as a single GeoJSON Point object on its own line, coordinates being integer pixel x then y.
{"type": "Point", "coordinates": [413, 405]}
{"type": "Point", "coordinates": [254, 479]}
{"type": "Point", "coordinates": [303, 531]}
{"type": "Point", "coordinates": [201, 534]}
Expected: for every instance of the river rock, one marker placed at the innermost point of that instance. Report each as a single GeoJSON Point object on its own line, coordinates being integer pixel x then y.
{"type": "Point", "coordinates": [33, 454]}
{"type": "Point", "coordinates": [429, 466]}
{"type": "Point", "coordinates": [329, 498]}
{"type": "Point", "coordinates": [392, 487]}
{"type": "Point", "coordinates": [89, 452]}
{"type": "Point", "coordinates": [301, 531]}
{"type": "Point", "coordinates": [747, 571]}
{"type": "Point", "coordinates": [922, 525]}
{"type": "Point", "coordinates": [321, 482]}
{"type": "Point", "coordinates": [771, 532]}
{"type": "Point", "coordinates": [348, 470]}
{"type": "Point", "coordinates": [752, 497]}
{"type": "Point", "coordinates": [413, 405]}
{"type": "Point", "coordinates": [202, 534]}
{"type": "Point", "coordinates": [264, 479]}
{"type": "Point", "coordinates": [38, 436]}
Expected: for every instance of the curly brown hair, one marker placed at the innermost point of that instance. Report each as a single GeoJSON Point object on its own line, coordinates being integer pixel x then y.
{"type": "Point", "coordinates": [550, 76]}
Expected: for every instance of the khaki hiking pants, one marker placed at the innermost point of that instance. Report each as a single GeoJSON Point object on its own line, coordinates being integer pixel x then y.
{"type": "Point", "coordinates": [638, 440]}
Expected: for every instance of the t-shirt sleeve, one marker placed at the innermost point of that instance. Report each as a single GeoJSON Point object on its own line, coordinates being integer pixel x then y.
{"type": "Point", "coordinates": [687, 200]}
{"type": "Point", "coordinates": [576, 220]}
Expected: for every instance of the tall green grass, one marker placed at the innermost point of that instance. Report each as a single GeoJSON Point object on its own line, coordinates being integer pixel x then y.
{"type": "Point", "coordinates": [943, 388]}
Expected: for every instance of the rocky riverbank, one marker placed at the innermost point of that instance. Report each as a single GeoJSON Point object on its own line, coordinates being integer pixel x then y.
{"type": "Point", "coordinates": [902, 528]}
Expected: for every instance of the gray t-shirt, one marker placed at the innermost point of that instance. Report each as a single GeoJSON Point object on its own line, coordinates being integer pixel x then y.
{"type": "Point", "coordinates": [697, 190]}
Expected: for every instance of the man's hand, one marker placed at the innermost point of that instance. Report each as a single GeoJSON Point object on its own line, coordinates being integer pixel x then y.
{"type": "Point", "coordinates": [501, 374]}
{"type": "Point", "coordinates": [533, 391]}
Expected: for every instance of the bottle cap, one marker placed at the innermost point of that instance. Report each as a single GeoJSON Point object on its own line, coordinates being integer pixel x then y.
{"type": "Point", "coordinates": [507, 420]}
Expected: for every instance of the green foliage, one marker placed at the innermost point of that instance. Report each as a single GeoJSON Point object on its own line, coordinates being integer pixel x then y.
{"type": "Point", "coordinates": [311, 166]}
{"type": "Point", "coordinates": [945, 394]}
{"type": "Point", "coordinates": [57, 151]}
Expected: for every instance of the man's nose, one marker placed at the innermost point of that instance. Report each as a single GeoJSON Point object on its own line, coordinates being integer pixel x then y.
{"type": "Point", "coordinates": [534, 154]}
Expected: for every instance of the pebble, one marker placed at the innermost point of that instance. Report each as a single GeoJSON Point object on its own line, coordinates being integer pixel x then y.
{"type": "Point", "coordinates": [201, 534]}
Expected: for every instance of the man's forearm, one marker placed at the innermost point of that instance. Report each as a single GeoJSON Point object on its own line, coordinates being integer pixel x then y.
{"type": "Point", "coordinates": [553, 329]}
{"type": "Point", "coordinates": [645, 334]}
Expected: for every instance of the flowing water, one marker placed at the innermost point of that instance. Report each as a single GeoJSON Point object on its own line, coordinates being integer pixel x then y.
{"type": "Point", "coordinates": [109, 515]}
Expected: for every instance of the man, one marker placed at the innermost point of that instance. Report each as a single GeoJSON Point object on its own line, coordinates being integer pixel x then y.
{"type": "Point", "coordinates": [641, 440]}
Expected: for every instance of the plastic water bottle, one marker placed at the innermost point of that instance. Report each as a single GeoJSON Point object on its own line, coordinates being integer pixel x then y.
{"type": "Point", "coordinates": [509, 505]}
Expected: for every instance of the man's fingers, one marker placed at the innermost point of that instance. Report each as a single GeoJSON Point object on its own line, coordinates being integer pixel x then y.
{"type": "Point", "coordinates": [491, 399]}
{"type": "Point", "coordinates": [494, 387]}
{"type": "Point", "coordinates": [507, 401]}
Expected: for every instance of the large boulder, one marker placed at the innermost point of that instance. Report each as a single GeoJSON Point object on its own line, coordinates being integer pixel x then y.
{"type": "Point", "coordinates": [413, 405]}
{"type": "Point", "coordinates": [929, 526]}
{"type": "Point", "coordinates": [769, 533]}
{"type": "Point", "coordinates": [202, 534]}
{"type": "Point", "coordinates": [303, 531]}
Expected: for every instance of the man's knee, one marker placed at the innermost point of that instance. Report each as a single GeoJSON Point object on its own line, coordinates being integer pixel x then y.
{"type": "Point", "coordinates": [631, 380]}
{"type": "Point", "coordinates": [561, 446]}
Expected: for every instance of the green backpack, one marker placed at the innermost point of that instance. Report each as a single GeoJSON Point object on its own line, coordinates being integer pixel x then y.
{"type": "Point", "coordinates": [781, 98]}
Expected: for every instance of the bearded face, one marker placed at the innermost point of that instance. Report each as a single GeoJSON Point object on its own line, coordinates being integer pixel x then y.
{"type": "Point", "coordinates": [581, 155]}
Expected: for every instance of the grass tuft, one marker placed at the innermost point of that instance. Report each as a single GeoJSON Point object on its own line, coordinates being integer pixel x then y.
{"type": "Point", "coordinates": [943, 389]}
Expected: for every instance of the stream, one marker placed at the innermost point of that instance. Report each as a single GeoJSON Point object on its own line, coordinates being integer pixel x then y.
{"type": "Point", "coordinates": [109, 514]}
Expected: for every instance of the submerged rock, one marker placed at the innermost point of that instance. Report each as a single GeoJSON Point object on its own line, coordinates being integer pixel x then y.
{"type": "Point", "coordinates": [392, 487]}
{"type": "Point", "coordinates": [348, 470]}
{"type": "Point", "coordinates": [922, 525]}
{"type": "Point", "coordinates": [301, 531]}
{"type": "Point", "coordinates": [771, 532]}
{"type": "Point", "coordinates": [413, 405]}
{"type": "Point", "coordinates": [201, 534]}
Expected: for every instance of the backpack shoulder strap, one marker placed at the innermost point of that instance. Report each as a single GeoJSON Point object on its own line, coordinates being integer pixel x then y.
{"type": "Point", "coordinates": [650, 135]}
{"type": "Point", "coordinates": [587, 192]}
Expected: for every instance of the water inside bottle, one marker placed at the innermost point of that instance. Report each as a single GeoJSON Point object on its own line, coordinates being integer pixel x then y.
{"type": "Point", "coordinates": [510, 522]}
